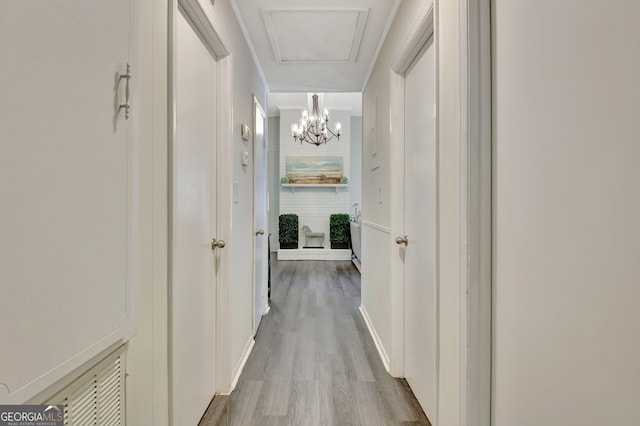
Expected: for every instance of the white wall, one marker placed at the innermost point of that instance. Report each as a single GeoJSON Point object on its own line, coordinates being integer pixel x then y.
{"type": "Point", "coordinates": [567, 204]}
{"type": "Point", "coordinates": [246, 83]}
{"type": "Point", "coordinates": [376, 238]}
{"type": "Point", "coordinates": [314, 205]}
{"type": "Point", "coordinates": [274, 178]}
{"type": "Point", "coordinates": [355, 179]}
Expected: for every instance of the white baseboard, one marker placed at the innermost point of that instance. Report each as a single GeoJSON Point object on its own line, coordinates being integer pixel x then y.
{"type": "Point", "coordinates": [314, 254]}
{"type": "Point", "coordinates": [243, 361]}
{"type": "Point", "coordinates": [356, 262]}
{"type": "Point", "coordinates": [375, 337]}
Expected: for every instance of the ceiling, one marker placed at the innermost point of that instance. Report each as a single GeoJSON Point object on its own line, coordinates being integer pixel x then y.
{"type": "Point", "coordinates": [351, 102]}
{"type": "Point", "coordinates": [305, 46]}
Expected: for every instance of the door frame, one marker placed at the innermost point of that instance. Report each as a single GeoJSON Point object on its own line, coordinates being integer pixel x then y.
{"type": "Point", "coordinates": [257, 107]}
{"type": "Point", "coordinates": [203, 20]}
{"type": "Point", "coordinates": [420, 33]}
{"type": "Point", "coordinates": [463, 312]}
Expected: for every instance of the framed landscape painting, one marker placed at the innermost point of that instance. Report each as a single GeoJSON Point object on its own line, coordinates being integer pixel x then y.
{"type": "Point", "coordinates": [314, 170]}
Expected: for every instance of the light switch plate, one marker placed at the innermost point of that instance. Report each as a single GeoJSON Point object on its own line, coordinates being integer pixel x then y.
{"type": "Point", "coordinates": [245, 132]}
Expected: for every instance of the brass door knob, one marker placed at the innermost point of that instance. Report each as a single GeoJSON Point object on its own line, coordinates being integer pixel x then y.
{"type": "Point", "coordinates": [402, 240]}
{"type": "Point", "coordinates": [217, 244]}
{"type": "Point", "coordinates": [260, 232]}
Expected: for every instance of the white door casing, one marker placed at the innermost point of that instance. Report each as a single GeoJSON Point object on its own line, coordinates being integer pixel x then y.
{"type": "Point", "coordinates": [68, 173]}
{"type": "Point", "coordinates": [261, 249]}
{"type": "Point", "coordinates": [194, 263]}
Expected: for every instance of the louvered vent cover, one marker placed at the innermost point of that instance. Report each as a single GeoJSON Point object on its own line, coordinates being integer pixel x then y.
{"type": "Point", "coordinates": [97, 397]}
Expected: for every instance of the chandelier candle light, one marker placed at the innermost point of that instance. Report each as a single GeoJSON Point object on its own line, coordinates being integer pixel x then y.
{"type": "Point", "coordinates": [315, 129]}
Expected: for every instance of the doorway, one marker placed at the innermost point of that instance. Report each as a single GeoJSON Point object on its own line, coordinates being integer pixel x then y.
{"type": "Point", "coordinates": [418, 243]}
{"type": "Point", "coordinates": [260, 211]}
{"type": "Point", "coordinates": [193, 225]}
{"type": "Point", "coordinates": [414, 225]}
{"type": "Point", "coordinates": [462, 293]}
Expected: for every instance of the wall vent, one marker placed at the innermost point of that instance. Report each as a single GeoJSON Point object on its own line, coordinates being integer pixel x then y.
{"type": "Point", "coordinates": [97, 397]}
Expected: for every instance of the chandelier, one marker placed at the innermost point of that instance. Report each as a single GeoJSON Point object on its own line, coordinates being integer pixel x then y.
{"type": "Point", "coordinates": [315, 129]}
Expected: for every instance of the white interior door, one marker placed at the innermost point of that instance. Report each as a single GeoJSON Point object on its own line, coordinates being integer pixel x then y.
{"type": "Point", "coordinates": [420, 228]}
{"type": "Point", "coordinates": [194, 213]}
{"type": "Point", "coordinates": [261, 249]}
{"type": "Point", "coordinates": [66, 177]}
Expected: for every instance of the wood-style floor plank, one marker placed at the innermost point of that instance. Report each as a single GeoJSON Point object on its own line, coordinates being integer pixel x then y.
{"type": "Point", "coordinates": [314, 362]}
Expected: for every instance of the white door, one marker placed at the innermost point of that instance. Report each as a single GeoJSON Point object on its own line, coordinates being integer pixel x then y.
{"type": "Point", "coordinates": [261, 249]}
{"type": "Point", "coordinates": [194, 207]}
{"type": "Point", "coordinates": [65, 185]}
{"type": "Point", "coordinates": [420, 228]}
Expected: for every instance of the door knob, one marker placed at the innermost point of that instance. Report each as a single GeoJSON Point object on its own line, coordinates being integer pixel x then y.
{"type": "Point", "coordinates": [217, 244]}
{"type": "Point", "coordinates": [402, 240]}
{"type": "Point", "coordinates": [260, 232]}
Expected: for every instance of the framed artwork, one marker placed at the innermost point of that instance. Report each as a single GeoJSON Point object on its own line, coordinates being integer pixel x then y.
{"type": "Point", "coordinates": [314, 169]}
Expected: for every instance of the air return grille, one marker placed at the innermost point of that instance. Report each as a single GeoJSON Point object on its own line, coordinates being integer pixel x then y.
{"type": "Point", "coordinates": [97, 397]}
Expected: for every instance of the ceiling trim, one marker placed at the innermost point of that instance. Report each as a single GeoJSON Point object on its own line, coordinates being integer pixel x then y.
{"type": "Point", "coordinates": [247, 38]}
{"type": "Point", "coordinates": [362, 16]}
{"type": "Point", "coordinates": [387, 28]}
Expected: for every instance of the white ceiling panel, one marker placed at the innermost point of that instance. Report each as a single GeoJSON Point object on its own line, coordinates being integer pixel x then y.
{"type": "Point", "coordinates": [341, 44]}
{"type": "Point", "coordinates": [303, 47]}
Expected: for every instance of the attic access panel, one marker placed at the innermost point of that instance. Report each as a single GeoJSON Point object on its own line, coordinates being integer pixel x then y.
{"type": "Point", "coordinates": [326, 35]}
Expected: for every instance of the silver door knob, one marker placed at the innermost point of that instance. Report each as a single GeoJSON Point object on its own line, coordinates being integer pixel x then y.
{"type": "Point", "coordinates": [217, 244]}
{"type": "Point", "coordinates": [402, 240]}
{"type": "Point", "coordinates": [260, 232]}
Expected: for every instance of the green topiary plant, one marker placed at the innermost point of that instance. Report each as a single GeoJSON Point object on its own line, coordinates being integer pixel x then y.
{"type": "Point", "coordinates": [288, 230]}
{"type": "Point", "coordinates": [339, 230]}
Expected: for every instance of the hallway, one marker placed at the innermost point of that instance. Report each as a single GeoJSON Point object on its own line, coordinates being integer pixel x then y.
{"type": "Point", "coordinates": [314, 362]}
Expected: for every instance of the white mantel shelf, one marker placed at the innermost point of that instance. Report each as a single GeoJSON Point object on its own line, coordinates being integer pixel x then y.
{"type": "Point", "coordinates": [314, 185]}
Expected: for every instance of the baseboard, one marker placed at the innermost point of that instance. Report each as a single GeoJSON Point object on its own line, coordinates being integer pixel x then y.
{"type": "Point", "coordinates": [376, 339]}
{"type": "Point", "coordinates": [356, 262]}
{"type": "Point", "coordinates": [314, 254]}
{"type": "Point", "coordinates": [243, 361]}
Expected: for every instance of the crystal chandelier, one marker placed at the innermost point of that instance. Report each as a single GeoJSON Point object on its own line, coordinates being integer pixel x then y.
{"type": "Point", "coordinates": [315, 129]}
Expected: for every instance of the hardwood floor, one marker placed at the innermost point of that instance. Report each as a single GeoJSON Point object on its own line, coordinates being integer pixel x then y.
{"type": "Point", "coordinates": [314, 362]}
